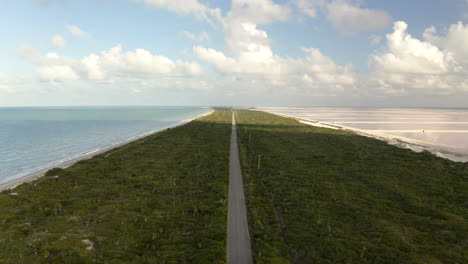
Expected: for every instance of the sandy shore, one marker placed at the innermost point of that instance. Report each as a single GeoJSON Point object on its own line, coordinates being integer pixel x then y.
{"type": "Point", "coordinates": [36, 175]}
{"type": "Point", "coordinates": [442, 151]}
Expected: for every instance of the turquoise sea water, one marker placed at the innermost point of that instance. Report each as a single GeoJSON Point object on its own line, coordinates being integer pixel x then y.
{"type": "Point", "coordinates": [32, 139]}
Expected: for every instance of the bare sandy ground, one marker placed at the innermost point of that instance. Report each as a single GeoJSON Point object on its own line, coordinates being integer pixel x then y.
{"type": "Point", "coordinates": [38, 174]}
{"type": "Point", "coordinates": [442, 151]}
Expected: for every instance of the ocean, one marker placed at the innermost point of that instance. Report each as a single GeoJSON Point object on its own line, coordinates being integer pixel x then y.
{"type": "Point", "coordinates": [432, 129]}
{"type": "Point", "coordinates": [34, 138]}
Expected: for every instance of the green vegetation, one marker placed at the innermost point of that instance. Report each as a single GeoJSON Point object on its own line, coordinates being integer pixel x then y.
{"type": "Point", "coordinates": [161, 199]}
{"type": "Point", "coordinates": [327, 196]}
{"type": "Point", "coordinates": [316, 196]}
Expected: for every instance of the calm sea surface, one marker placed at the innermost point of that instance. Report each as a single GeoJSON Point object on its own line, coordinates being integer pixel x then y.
{"type": "Point", "coordinates": [35, 138]}
{"type": "Point", "coordinates": [443, 127]}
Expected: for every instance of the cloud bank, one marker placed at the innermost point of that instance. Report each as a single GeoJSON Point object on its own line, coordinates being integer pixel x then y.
{"type": "Point", "coordinates": [433, 65]}
{"type": "Point", "coordinates": [108, 66]}
{"type": "Point", "coordinates": [247, 63]}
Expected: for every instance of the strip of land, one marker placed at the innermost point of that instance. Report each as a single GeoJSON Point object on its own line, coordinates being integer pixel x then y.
{"type": "Point", "coordinates": [238, 239]}
{"type": "Point", "coordinates": [160, 199]}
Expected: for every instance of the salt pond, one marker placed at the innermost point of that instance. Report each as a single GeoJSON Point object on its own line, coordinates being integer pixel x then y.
{"type": "Point", "coordinates": [441, 131]}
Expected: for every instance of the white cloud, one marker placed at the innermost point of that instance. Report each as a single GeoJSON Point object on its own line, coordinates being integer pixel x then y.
{"type": "Point", "coordinates": [349, 19]}
{"type": "Point", "coordinates": [57, 72]}
{"type": "Point", "coordinates": [93, 67]}
{"type": "Point", "coordinates": [109, 65]}
{"type": "Point", "coordinates": [248, 48]}
{"type": "Point", "coordinates": [409, 63]}
{"type": "Point", "coordinates": [185, 68]}
{"type": "Point", "coordinates": [202, 37]}
{"type": "Point", "coordinates": [253, 58]}
{"type": "Point", "coordinates": [243, 38]}
{"type": "Point", "coordinates": [217, 58]}
{"type": "Point", "coordinates": [324, 69]}
{"type": "Point", "coordinates": [249, 59]}
{"type": "Point", "coordinates": [139, 61]}
{"type": "Point", "coordinates": [57, 41]}
{"type": "Point", "coordinates": [248, 64]}
{"type": "Point", "coordinates": [76, 31]}
{"type": "Point", "coordinates": [409, 55]}
{"type": "Point", "coordinates": [455, 40]}
{"type": "Point", "coordinates": [187, 7]}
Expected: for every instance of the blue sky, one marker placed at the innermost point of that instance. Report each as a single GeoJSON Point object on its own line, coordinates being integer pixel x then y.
{"type": "Point", "coordinates": [256, 52]}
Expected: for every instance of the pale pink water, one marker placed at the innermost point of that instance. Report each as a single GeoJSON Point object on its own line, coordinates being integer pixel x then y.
{"type": "Point", "coordinates": [444, 127]}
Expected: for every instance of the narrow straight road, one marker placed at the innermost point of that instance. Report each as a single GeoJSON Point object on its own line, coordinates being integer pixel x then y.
{"type": "Point", "coordinates": [238, 239]}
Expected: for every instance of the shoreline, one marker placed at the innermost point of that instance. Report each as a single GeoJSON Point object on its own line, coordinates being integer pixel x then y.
{"type": "Point", "coordinates": [441, 151]}
{"type": "Point", "coordinates": [70, 162]}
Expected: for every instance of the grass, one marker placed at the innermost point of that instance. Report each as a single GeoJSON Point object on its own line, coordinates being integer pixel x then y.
{"type": "Point", "coordinates": [328, 196]}
{"type": "Point", "coordinates": [161, 199]}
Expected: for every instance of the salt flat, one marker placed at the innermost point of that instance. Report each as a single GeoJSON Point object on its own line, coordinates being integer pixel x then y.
{"type": "Point", "coordinates": [441, 131]}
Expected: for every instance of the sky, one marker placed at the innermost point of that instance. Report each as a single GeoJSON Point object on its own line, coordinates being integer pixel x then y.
{"type": "Point", "coordinates": [360, 53]}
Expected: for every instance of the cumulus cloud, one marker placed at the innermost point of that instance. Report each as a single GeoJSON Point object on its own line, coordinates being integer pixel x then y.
{"type": "Point", "coordinates": [202, 37]}
{"type": "Point", "coordinates": [409, 63]}
{"type": "Point", "coordinates": [250, 54]}
{"type": "Point", "coordinates": [108, 65]}
{"type": "Point", "coordinates": [350, 20]}
{"type": "Point", "coordinates": [250, 47]}
{"type": "Point", "coordinates": [240, 26]}
{"type": "Point", "coordinates": [248, 63]}
{"type": "Point", "coordinates": [57, 72]}
{"type": "Point", "coordinates": [410, 55]}
{"type": "Point", "coordinates": [249, 58]}
{"type": "Point", "coordinates": [76, 31]}
{"type": "Point", "coordinates": [455, 40]}
{"type": "Point", "coordinates": [57, 41]}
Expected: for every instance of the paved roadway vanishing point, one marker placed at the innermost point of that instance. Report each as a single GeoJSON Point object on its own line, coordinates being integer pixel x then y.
{"type": "Point", "coordinates": [238, 239]}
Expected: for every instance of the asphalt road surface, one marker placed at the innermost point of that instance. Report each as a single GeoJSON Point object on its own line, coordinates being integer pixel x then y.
{"type": "Point", "coordinates": [238, 239]}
